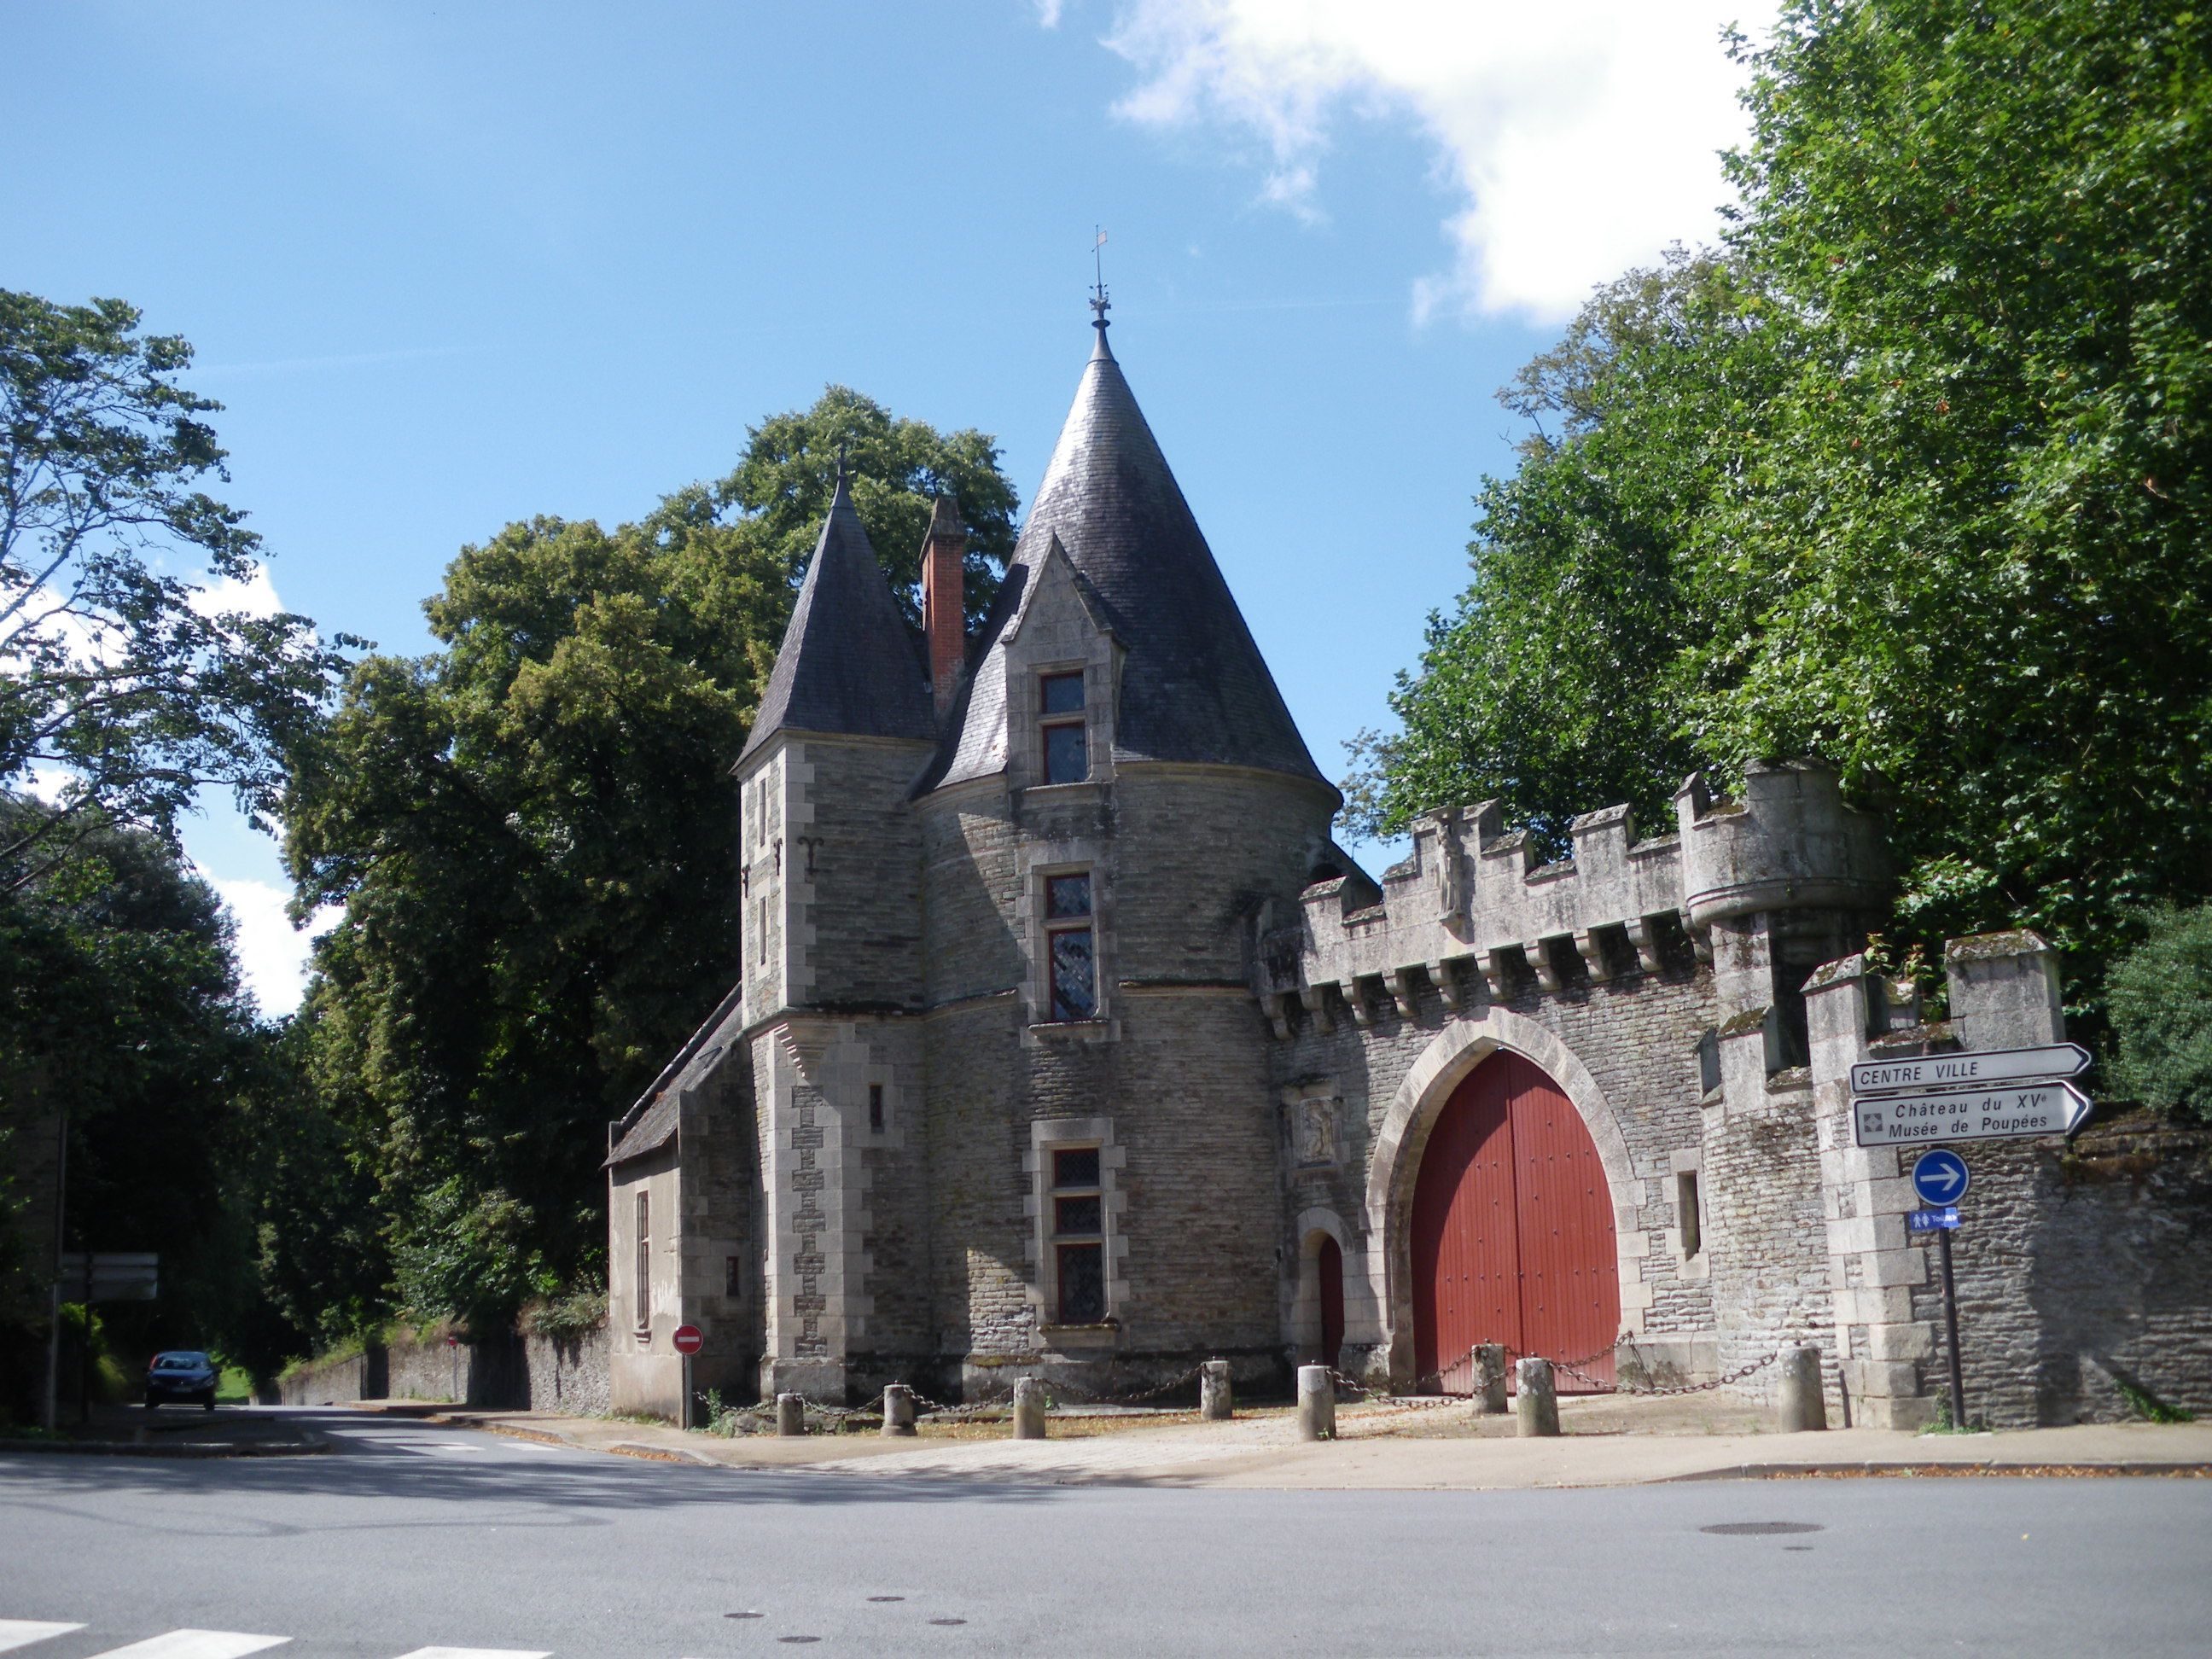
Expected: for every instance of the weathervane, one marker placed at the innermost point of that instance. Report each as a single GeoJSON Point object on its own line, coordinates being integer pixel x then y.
{"type": "Point", "coordinates": [1098, 299]}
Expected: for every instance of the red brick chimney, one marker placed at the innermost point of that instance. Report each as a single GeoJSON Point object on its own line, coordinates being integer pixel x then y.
{"type": "Point", "coordinates": [944, 610]}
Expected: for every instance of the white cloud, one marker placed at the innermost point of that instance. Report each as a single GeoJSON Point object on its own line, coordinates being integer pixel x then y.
{"type": "Point", "coordinates": [272, 955]}
{"type": "Point", "coordinates": [51, 784]}
{"type": "Point", "coordinates": [256, 596]}
{"type": "Point", "coordinates": [1048, 13]}
{"type": "Point", "coordinates": [1580, 138]}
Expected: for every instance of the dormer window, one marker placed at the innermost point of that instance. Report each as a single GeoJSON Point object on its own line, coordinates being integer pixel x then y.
{"type": "Point", "coordinates": [1066, 747]}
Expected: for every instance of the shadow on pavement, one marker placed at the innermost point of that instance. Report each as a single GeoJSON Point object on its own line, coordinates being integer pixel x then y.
{"type": "Point", "coordinates": [571, 1485]}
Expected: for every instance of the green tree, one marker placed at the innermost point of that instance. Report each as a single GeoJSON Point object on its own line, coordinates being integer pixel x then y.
{"type": "Point", "coordinates": [531, 833]}
{"type": "Point", "coordinates": [1554, 687]}
{"type": "Point", "coordinates": [1919, 484]}
{"type": "Point", "coordinates": [781, 489]}
{"type": "Point", "coordinates": [2161, 1003]}
{"type": "Point", "coordinates": [120, 993]}
{"type": "Point", "coordinates": [1975, 565]}
{"type": "Point", "coordinates": [121, 673]}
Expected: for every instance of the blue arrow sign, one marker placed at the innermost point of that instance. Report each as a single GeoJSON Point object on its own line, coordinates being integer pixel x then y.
{"type": "Point", "coordinates": [1940, 1178]}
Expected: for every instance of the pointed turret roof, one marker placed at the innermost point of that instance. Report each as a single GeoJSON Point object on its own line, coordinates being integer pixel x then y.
{"type": "Point", "coordinates": [849, 662]}
{"type": "Point", "coordinates": [1193, 684]}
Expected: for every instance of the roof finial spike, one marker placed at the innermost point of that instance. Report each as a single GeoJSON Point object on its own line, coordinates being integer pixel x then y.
{"type": "Point", "coordinates": [1099, 302]}
{"type": "Point", "coordinates": [843, 474]}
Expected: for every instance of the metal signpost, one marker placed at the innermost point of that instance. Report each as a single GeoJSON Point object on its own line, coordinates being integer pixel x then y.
{"type": "Point", "coordinates": [1988, 1094]}
{"type": "Point", "coordinates": [1940, 1178]}
{"type": "Point", "coordinates": [687, 1341]}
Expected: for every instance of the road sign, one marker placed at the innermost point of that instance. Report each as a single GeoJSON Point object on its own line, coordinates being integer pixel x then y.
{"type": "Point", "coordinates": [1941, 1178]}
{"type": "Point", "coordinates": [1931, 1221]}
{"type": "Point", "coordinates": [1977, 1068]}
{"type": "Point", "coordinates": [688, 1340]}
{"type": "Point", "coordinates": [2025, 1109]}
{"type": "Point", "coordinates": [112, 1275]}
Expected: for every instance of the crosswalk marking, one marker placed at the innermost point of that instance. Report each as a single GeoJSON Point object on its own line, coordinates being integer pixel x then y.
{"type": "Point", "coordinates": [218, 1644]}
{"type": "Point", "coordinates": [195, 1644]}
{"type": "Point", "coordinates": [21, 1632]}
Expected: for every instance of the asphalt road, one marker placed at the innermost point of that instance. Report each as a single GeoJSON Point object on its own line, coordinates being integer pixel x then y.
{"type": "Point", "coordinates": [413, 1537]}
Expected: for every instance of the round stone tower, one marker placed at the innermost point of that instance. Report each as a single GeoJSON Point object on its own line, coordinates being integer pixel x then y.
{"type": "Point", "coordinates": [1119, 791]}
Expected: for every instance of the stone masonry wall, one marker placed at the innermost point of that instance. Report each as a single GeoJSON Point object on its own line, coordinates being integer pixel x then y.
{"type": "Point", "coordinates": [1182, 859]}
{"type": "Point", "coordinates": [852, 867]}
{"type": "Point", "coordinates": [1768, 1236]}
{"type": "Point", "coordinates": [1637, 1033]}
{"type": "Point", "coordinates": [567, 1374]}
{"type": "Point", "coordinates": [2083, 1269]}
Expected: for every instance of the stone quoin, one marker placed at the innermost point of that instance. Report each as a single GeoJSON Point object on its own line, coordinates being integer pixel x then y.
{"type": "Point", "coordinates": [1067, 1044]}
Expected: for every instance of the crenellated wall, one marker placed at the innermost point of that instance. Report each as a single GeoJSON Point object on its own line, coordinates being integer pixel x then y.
{"type": "Point", "coordinates": [1471, 902]}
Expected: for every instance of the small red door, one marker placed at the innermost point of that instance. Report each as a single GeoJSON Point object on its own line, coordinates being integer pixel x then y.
{"type": "Point", "coordinates": [1512, 1231]}
{"type": "Point", "coordinates": [1329, 1268]}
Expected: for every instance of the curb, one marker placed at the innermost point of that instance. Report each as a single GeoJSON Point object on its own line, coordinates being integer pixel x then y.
{"type": "Point", "coordinates": [1891, 1469]}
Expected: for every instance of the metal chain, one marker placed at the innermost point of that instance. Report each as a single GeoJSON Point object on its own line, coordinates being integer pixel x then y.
{"type": "Point", "coordinates": [968, 1410]}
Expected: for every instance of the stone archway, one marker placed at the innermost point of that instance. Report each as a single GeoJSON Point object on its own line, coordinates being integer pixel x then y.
{"type": "Point", "coordinates": [1393, 1167]}
{"type": "Point", "coordinates": [1362, 1331]}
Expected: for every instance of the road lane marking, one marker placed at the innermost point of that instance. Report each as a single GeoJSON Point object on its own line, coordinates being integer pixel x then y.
{"type": "Point", "coordinates": [195, 1644]}
{"type": "Point", "coordinates": [21, 1632]}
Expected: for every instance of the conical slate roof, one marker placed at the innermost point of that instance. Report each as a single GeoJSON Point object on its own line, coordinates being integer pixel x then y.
{"type": "Point", "coordinates": [849, 662]}
{"type": "Point", "coordinates": [1194, 687]}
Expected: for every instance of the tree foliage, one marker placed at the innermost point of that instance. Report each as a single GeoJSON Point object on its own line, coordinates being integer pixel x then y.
{"type": "Point", "coordinates": [2161, 1010]}
{"type": "Point", "coordinates": [1920, 482]}
{"type": "Point", "coordinates": [120, 1003]}
{"type": "Point", "coordinates": [123, 676]}
{"type": "Point", "coordinates": [531, 833]}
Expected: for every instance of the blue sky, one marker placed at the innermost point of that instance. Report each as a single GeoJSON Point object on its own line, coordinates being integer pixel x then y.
{"type": "Point", "coordinates": [451, 266]}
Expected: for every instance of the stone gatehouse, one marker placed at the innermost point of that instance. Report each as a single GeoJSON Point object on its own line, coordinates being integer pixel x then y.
{"type": "Point", "coordinates": [1067, 1042]}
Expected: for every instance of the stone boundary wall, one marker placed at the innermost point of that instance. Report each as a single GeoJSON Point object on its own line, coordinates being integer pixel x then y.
{"type": "Point", "coordinates": [2083, 1265]}
{"type": "Point", "coordinates": [536, 1372]}
{"type": "Point", "coordinates": [567, 1374]}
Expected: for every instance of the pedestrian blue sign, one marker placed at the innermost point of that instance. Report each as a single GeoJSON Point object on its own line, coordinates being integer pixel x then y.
{"type": "Point", "coordinates": [1932, 1221]}
{"type": "Point", "coordinates": [1940, 1178]}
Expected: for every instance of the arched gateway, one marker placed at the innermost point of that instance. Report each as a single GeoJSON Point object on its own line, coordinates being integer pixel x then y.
{"type": "Point", "coordinates": [1512, 1230]}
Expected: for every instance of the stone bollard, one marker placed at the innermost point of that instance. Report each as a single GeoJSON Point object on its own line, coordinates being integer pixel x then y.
{"type": "Point", "coordinates": [1538, 1405]}
{"type": "Point", "coordinates": [791, 1413]}
{"type": "Point", "coordinates": [1316, 1403]}
{"type": "Point", "coordinates": [1216, 1403]}
{"type": "Point", "coordinates": [1799, 1403]}
{"type": "Point", "coordinates": [1029, 1409]}
{"type": "Point", "coordinates": [898, 1410]}
{"type": "Point", "coordinates": [1490, 1380]}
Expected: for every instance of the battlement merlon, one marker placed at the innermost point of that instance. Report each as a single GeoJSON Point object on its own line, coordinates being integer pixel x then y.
{"type": "Point", "coordinates": [1470, 890]}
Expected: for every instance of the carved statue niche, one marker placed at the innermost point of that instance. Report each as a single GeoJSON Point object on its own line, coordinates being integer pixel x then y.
{"type": "Point", "coordinates": [1314, 1124]}
{"type": "Point", "coordinates": [1451, 871]}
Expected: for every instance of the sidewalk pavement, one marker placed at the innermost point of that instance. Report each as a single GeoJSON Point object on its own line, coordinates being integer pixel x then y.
{"type": "Point", "coordinates": [1607, 1442]}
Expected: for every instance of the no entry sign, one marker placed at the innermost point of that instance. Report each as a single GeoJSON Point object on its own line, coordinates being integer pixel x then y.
{"type": "Point", "coordinates": [688, 1340]}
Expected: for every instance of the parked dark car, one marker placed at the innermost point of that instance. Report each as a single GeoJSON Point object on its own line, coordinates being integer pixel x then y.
{"type": "Point", "coordinates": [180, 1374]}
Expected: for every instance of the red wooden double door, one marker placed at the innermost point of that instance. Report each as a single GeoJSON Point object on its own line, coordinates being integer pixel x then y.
{"type": "Point", "coordinates": [1512, 1227]}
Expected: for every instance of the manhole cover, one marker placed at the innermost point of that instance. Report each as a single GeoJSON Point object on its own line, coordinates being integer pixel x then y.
{"type": "Point", "coordinates": [1760, 1529]}
{"type": "Point", "coordinates": [948, 1621]}
{"type": "Point", "coordinates": [798, 1638]}
{"type": "Point", "coordinates": [887, 1598]}
{"type": "Point", "coordinates": [742, 1615]}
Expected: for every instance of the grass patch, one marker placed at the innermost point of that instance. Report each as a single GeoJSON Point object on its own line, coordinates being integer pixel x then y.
{"type": "Point", "coordinates": [2148, 1405]}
